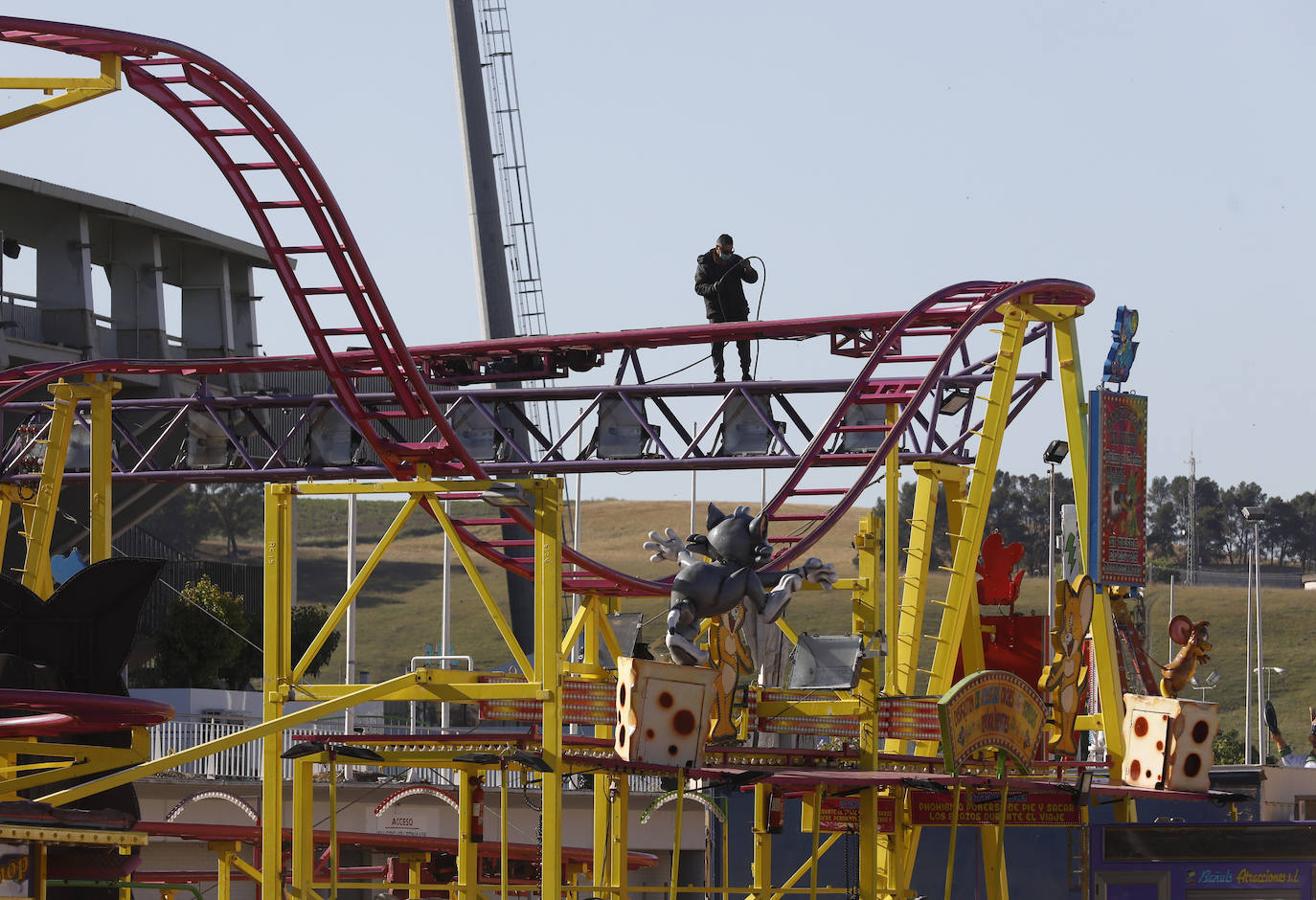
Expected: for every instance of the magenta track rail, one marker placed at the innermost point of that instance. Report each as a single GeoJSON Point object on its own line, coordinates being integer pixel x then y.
{"type": "Point", "coordinates": [339, 304]}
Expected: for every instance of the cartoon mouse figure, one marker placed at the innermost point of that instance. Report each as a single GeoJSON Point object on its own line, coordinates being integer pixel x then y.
{"type": "Point", "coordinates": [736, 544]}
{"type": "Point", "coordinates": [1195, 644]}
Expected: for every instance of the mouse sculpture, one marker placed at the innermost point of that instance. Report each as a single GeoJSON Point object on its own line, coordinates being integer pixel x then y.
{"type": "Point", "coordinates": [1195, 644]}
{"type": "Point", "coordinates": [719, 572]}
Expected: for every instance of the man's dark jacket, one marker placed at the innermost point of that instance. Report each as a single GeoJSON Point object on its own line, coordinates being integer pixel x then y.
{"type": "Point", "coordinates": [727, 303]}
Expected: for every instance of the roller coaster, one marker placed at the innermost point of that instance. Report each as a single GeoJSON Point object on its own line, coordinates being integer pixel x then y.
{"type": "Point", "coordinates": [912, 403]}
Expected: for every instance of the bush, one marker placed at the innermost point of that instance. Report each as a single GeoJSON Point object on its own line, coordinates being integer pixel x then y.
{"type": "Point", "coordinates": [193, 646]}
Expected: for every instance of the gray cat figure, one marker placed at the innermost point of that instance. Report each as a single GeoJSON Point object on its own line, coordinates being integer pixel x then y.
{"type": "Point", "coordinates": [736, 544]}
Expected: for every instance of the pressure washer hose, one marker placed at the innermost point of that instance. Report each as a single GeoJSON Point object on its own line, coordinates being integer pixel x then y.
{"type": "Point", "coordinates": [758, 317]}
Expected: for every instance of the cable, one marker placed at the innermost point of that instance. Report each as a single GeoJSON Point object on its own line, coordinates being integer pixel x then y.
{"type": "Point", "coordinates": [758, 311]}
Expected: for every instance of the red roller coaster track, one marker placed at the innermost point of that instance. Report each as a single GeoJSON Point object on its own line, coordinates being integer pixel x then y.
{"type": "Point", "coordinates": [287, 198]}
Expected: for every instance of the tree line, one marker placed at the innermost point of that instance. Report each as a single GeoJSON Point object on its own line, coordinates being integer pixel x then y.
{"type": "Point", "coordinates": [1019, 511]}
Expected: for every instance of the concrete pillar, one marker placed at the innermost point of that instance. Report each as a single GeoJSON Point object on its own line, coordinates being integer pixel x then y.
{"type": "Point", "coordinates": [243, 289]}
{"type": "Point", "coordinates": [207, 303]}
{"type": "Point", "coordinates": [64, 297]}
{"type": "Point", "coordinates": [137, 309]}
{"type": "Point", "coordinates": [245, 340]}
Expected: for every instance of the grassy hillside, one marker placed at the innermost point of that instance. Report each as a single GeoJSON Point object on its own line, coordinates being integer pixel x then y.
{"type": "Point", "coordinates": [400, 605]}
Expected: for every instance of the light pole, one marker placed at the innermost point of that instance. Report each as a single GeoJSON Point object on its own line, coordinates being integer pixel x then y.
{"type": "Point", "coordinates": [1055, 453]}
{"type": "Point", "coordinates": [1256, 515]}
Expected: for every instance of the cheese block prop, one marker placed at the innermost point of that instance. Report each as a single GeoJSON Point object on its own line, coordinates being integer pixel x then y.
{"type": "Point", "coordinates": [663, 712]}
{"type": "Point", "coordinates": [1167, 742]}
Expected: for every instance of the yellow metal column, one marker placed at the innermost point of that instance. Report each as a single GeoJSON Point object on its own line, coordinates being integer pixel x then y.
{"type": "Point", "coordinates": [41, 511]}
{"type": "Point", "coordinates": [961, 594]}
{"type": "Point", "coordinates": [891, 559]}
{"type": "Point", "coordinates": [1104, 649]}
{"type": "Point", "coordinates": [761, 868]}
{"type": "Point", "coordinates": [548, 662]}
{"type": "Point", "coordinates": [303, 829]}
{"type": "Point", "coordinates": [865, 615]}
{"type": "Point", "coordinates": [277, 637]}
{"type": "Point", "coordinates": [102, 448]}
{"type": "Point", "coordinates": [468, 860]}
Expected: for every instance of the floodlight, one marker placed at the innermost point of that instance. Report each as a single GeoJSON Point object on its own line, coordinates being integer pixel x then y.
{"type": "Point", "coordinates": [1084, 790]}
{"type": "Point", "coordinates": [207, 443]}
{"type": "Point", "coordinates": [827, 662]}
{"type": "Point", "coordinates": [331, 440]}
{"type": "Point", "coordinates": [530, 760]}
{"type": "Point", "coordinates": [626, 629]}
{"type": "Point", "coordinates": [745, 431]}
{"type": "Point", "coordinates": [622, 434]}
{"type": "Point", "coordinates": [346, 751]}
{"type": "Point", "coordinates": [475, 432]}
{"type": "Point", "coordinates": [478, 759]}
{"type": "Point", "coordinates": [864, 415]}
{"type": "Point", "coordinates": [1055, 452]}
{"type": "Point", "coordinates": [504, 495]}
{"type": "Point", "coordinates": [1254, 513]}
{"type": "Point", "coordinates": [78, 457]}
{"type": "Point", "coordinates": [955, 400]}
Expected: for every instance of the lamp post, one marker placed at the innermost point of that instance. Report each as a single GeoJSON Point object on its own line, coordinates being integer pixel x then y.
{"type": "Point", "coordinates": [1256, 515]}
{"type": "Point", "coordinates": [1055, 453]}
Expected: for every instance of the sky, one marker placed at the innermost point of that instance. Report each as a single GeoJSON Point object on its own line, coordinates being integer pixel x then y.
{"type": "Point", "coordinates": [870, 153]}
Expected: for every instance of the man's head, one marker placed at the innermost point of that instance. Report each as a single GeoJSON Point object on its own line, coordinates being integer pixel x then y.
{"type": "Point", "coordinates": [725, 246]}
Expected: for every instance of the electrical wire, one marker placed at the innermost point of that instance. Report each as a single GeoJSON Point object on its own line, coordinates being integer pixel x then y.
{"type": "Point", "coordinates": [758, 317]}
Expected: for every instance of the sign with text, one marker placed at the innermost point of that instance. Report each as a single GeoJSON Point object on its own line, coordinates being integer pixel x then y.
{"type": "Point", "coordinates": [1037, 810]}
{"type": "Point", "coordinates": [15, 870]}
{"type": "Point", "coordinates": [842, 814]}
{"type": "Point", "coordinates": [991, 710]}
{"type": "Point", "coordinates": [1117, 488]}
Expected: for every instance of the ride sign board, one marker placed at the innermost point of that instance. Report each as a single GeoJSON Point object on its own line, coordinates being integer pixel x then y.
{"type": "Point", "coordinates": [984, 808]}
{"type": "Point", "coordinates": [991, 710]}
{"type": "Point", "coordinates": [932, 808]}
{"type": "Point", "coordinates": [1117, 488]}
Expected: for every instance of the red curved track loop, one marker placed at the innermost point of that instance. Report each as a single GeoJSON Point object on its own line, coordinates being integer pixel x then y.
{"type": "Point", "coordinates": [195, 89]}
{"type": "Point", "coordinates": [59, 713]}
{"type": "Point", "coordinates": [217, 108]}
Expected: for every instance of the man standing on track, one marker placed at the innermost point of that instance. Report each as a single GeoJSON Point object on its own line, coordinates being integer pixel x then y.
{"type": "Point", "coordinates": [718, 280]}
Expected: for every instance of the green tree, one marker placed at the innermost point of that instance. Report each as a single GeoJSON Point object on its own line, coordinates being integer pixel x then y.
{"type": "Point", "coordinates": [236, 509]}
{"type": "Point", "coordinates": [193, 648]}
{"type": "Point", "coordinates": [307, 619]}
{"type": "Point", "coordinates": [183, 521]}
{"type": "Point", "coordinates": [1228, 748]}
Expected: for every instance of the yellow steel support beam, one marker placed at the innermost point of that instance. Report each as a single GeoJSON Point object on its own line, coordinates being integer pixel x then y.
{"type": "Point", "coordinates": [354, 589]}
{"type": "Point", "coordinates": [481, 589]}
{"type": "Point", "coordinates": [891, 559]}
{"type": "Point", "coordinates": [468, 863]}
{"type": "Point", "coordinates": [548, 643]}
{"type": "Point", "coordinates": [865, 617]}
{"type": "Point", "coordinates": [76, 90]}
{"type": "Point", "coordinates": [102, 451]}
{"type": "Point", "coordinates": [1069, 362]}
{"type": "Point", "coordinates": [277, 641]}
{"type": "Point", "coordinates": [303, 828]}
{"type": "Point", "coordinates": [961, 596]}
{"type": "Point", "coordinates": [40, 525]}
{"type": "Point", "coordinates": [808, 867]}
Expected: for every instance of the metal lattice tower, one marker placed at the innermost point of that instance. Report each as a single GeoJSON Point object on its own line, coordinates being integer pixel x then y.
{"type": "Point", "coordinates": [519, 239]}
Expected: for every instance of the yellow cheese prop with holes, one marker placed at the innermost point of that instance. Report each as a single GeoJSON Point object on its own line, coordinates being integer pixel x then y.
{"type": "Point", "coordinates": [1167, 743]}
{"type": "Point", "coordinates": [663, 712]}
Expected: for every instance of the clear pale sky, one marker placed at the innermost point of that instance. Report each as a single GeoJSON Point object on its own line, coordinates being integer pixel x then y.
{"type": "Point", "coordinates": [870, 152]}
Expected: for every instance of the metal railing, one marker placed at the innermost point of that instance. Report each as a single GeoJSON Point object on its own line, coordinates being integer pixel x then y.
{"type": "Point", "coordinates": [243, 763]}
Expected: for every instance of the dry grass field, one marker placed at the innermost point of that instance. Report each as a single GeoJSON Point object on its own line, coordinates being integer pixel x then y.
{"type": "Point", "coordinates": [400, 605]}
